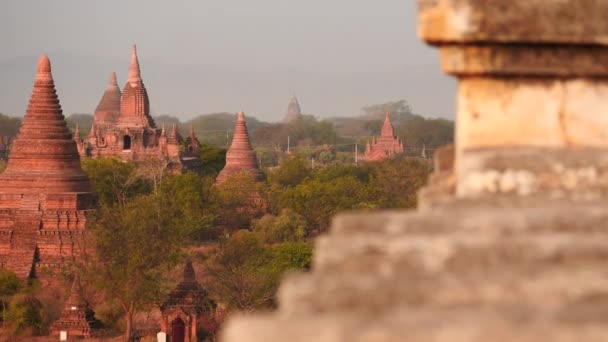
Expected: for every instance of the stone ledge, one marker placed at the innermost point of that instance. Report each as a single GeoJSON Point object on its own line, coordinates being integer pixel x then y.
{"type": "Point", "coordinates": [477, 324]}
{"type": "Point", "coordinates": [531, 61]}
{"type": "Point", "coordinates": [576, 22]}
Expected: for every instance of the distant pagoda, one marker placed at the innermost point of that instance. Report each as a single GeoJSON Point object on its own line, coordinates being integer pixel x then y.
{"type": "Point", "coordinates": [44, 194]}
{"type": "Point", "coordinates": [240, 156]}
{"type": "Point", "coordinates": [386, 145]}
{"type": "Point", "coordinates": [123, 128]}
{"type": "Point", "coordinates": [108, 109]}
{"type": "Point", "coordinates": [294, 111]}
{"type": "Point", "coordinates": [77, 318]}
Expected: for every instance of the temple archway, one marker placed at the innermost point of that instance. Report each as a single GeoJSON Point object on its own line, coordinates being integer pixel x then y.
{"type": "Point", "coordinates": [126, 142]}
{"type": "Point", "coordinates": [178, 330]}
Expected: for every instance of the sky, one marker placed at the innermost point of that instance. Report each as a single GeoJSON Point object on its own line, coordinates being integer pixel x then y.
{"type": "Point", "coordinates": [206, 56]}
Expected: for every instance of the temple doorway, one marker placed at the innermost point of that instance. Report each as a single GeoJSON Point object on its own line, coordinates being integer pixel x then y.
{"type": "Point", "coordinates": [178, 330]}
{"type": "Point", "coordinates": [126, 143]}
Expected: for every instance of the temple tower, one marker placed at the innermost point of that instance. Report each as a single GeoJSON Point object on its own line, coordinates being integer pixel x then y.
{"type": "Point", "coordinates": [294, 111]}
{"type": "Point", "coordinates": [108, 109]}
{"type": "Point", "coordinates": [386, 145]}
{"type": "Point", "coordinates": [240, 156]}
{"type": "Point", "coordinates": [134, 102]}
{"type": "Point", "coordinates": [77, 318]}
{"type": "Point", "coordinates": [44, 194]}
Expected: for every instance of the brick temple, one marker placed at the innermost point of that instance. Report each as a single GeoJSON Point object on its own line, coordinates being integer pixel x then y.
{"type": "Point", "coordinates": [186, 307]}
{"type": "Point", "coordinates": [77, 318]}
{"type": "Point", "coordinates": [123, 128]}
{"type": "Point", "coordinates": [240, 156]}
{"type": "Point", "coordinates": [386, 145]}
{"type": "Point", "coordinates": [44, 194]}
{"type": "Point", "coordinates": [294, 111]}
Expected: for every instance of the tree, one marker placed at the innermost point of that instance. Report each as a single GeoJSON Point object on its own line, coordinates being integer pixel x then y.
{"type": "Point", "coordinates": [239, 200]}
{"type": "Point", "coordinates": [213, 158]}
{"type": "Point", "coordinates": [318, 200]}
{"type": "Point", "coordinates": [84, 122]}
{"type": "Point", "coordinates": [136, 246]}
{"type": "Point", "coordinates": [396, 182]}
{"type": "Point", "coordinates": [237, 273]}
{"type": "Point", "coordinates": [291, 172]}
{"type": "Point", "coordinates": [288, 226]}
{"type": "Point", "coordinates": [115, 181]}
{"type": "Point", "coordinates": [9, 286]}
{"type": "Point", "coordinates": [25, 313]}
{"type": "Point", "coordinates": [9, 126]}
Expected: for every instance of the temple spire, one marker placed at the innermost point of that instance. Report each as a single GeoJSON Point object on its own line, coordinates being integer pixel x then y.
{"type": "Point", "coordinates": [57, 170]}
{"type": "Point", "coordinates": [387, 128]}
{"type": "Point", "coordinates": [77, 132]}
{"type": "Point", "coordinates": [134, 72]}
{"type": "Point", "coordinates": [240, 155]}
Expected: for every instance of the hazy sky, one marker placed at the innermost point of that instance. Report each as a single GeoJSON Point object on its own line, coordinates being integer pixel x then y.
{"type": "Point", "coordinates": [204, 56]}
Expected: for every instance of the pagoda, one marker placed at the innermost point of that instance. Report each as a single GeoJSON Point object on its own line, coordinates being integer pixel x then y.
{"type": "Point", "coordinates": [386, 145]}
{"type": "Point", "coordinates": [123, 127]}
{"type": "Point", "coordinates": [185, 308]}
{"type": "Point", "coordinates": [240, 156]}
{"type": "Point", "coordinates": [44, 194]}
{"type": "Point", "coordinates": [77, 318]}
{"type": "Point", "coordinates": [294, 111]}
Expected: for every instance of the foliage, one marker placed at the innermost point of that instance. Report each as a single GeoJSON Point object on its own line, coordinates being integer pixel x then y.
{"type": "Point", "coordinates": [293, 171]}
{"type": "Point", "coordinates": [2, 165]}
{"type": "Point", "coordinates": [397, 181]}
{"type": "Point", "coordinates": [115, 181]}
{"type": "Point", "coordinates": [9, 126]}
{"type": "Point", "coordinates": [214, 159]}
{"type": "Point", "coordinates": [245, 273]}
{"type": "Point", "coordinates": [135, 247]}
{"type": "Point", "coordinates": [238, 201]}
{"type": "Point", "coordinates": [9, 286]}
{"type": "Point", "coordinates": [288, 226]}
{"type": "Point", "coordinates": [25, 314]}
{"type": "Point", "coordinates": [290, 256]}
{"type": "Point", "coordinates": [186, 201]}
{"type": "Point", "coordinates": [84, 122]}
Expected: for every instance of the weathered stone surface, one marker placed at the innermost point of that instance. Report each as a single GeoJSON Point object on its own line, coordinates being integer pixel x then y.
{"type": "Point", "coordinates": [541, 61]}
{"type": "Point", "coordinates": [575, 173]}
{"type": "Point", "coordinates": [576, 22]}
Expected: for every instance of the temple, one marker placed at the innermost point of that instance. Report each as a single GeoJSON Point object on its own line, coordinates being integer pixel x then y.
{"type": "Point", "coordinates": [240, 156]}
{"type": "Point", "coordinates": [294, 111]}
{"type": "Point", "coordinates": [185, 308]}
{"type": "Point", "coordinates": [44, 194]}
{"type": "Point", "coordinates": [77, 318]}
{"type": "Point", "coordinates": [123, 128]}
{"type": "Point", "coordinates": [386, 145]}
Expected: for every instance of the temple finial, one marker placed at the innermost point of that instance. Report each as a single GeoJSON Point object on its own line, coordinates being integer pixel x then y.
{"type": "Point", "coordinates": [113, 82]}
{"type": "Point", "coordinates": [134, 72]}
{"type": "Point", "coordinates": [44, 69]}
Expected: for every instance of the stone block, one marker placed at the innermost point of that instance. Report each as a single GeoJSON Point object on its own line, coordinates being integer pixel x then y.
{"type": "Point", "coordinates": [574, 22]}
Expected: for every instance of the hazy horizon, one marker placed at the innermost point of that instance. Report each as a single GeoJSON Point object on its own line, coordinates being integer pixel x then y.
{"type": "Point", "coordinates": [200, 58]}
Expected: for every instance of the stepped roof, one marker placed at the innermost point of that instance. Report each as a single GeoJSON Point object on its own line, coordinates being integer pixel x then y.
{"type": "Point", "coordinates": [44, 157]}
